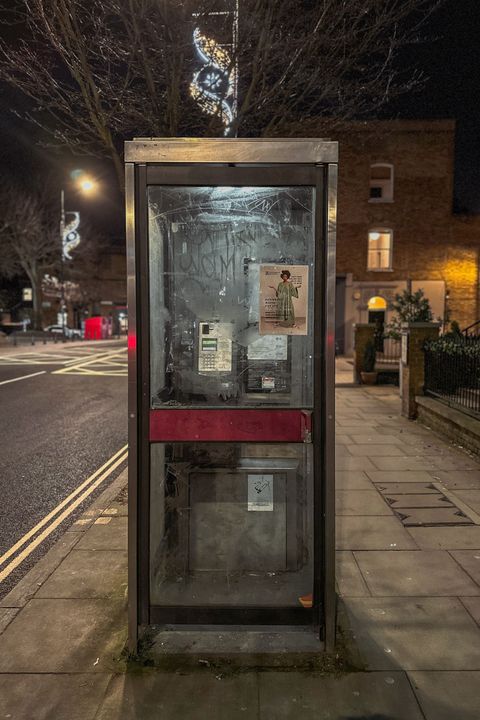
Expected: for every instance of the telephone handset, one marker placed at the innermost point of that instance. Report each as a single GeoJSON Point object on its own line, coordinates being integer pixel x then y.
{"type": "Point", "coordinates": [214, 347]}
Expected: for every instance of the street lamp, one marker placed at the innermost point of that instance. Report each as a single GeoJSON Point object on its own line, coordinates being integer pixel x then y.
{"type": "Point", "coordinates": [69, 235]}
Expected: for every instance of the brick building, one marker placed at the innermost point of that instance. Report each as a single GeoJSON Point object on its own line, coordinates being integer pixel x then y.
{"type": "Point", "coordinates": [396, 225]}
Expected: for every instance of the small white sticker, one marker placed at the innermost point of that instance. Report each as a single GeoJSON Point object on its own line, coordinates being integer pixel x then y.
{"type": "Point", "coordinates": [260, 493]}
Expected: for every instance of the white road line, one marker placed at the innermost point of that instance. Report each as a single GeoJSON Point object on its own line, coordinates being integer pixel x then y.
{"type": "Point", "coordinates": [61, 505]}
{"type": "Point", "coordinates": [24, 377]}
{"type": "Point", "coordinates": [48, 530]}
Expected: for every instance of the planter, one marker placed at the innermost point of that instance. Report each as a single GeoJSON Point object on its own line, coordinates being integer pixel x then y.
{"type": "Point", "coordinates": [369, 378]}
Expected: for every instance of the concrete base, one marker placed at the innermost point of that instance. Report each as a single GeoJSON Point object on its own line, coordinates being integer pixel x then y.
{"type": "Point", "coordinates": [455, 424]}
{"type": "Point", "coordinates": [232, 646]}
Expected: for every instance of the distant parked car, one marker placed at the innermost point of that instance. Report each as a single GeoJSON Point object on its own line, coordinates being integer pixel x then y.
{"type": "Point", "coordinates": [69, 333]}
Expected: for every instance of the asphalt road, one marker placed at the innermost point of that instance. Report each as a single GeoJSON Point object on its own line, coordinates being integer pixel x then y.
{"type": "Point", "coordinates": [56, 429]}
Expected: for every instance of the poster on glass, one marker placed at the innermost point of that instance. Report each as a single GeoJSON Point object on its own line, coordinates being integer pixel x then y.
{"type": "Point", "coordinates": [283, 299]}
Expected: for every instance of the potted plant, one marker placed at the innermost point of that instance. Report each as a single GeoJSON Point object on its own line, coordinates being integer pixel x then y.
{"type": "Point", "coordinates": [368, 373]}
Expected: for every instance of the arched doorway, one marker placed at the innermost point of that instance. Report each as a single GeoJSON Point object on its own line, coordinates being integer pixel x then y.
{"type": "Point", "coordinates": [377, 307]}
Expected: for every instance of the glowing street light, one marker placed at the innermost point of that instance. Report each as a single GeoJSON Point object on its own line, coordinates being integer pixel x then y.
{"type": "Point", "coordinates": [87, 185]}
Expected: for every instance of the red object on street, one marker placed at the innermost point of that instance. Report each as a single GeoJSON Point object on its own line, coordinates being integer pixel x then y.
{"type": "Point", "coordinates": [98, 328]}
{"type": "Point", "coordinates": [230, 425]}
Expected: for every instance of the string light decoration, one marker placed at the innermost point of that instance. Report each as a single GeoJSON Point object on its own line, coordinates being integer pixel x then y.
{"type": "Point", "coordinates": [213, 84]}
{"type": "Point", "coordinates": [71, 236]}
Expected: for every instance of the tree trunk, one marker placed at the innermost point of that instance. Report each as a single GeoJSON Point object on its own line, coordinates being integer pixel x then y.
{"type": "Point", "coordinates": [37, 303]}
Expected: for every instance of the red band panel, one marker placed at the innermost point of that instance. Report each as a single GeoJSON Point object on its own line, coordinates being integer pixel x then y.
{"type": "Point", "coordinates": [230, 425]}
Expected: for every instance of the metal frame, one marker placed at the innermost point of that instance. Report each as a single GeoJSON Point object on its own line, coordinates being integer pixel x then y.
{"type": "Point", "coordinates": [231, 150]}
{"type": "Point", "coordinates": [146, 164]}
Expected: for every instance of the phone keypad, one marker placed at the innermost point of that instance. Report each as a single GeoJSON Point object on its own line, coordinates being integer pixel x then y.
{"type": "Point", "coordinates": [208, 363]}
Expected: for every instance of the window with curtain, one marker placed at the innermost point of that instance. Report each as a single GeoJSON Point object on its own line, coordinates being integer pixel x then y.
{"type": "Point", "coordinates": [379, 249]}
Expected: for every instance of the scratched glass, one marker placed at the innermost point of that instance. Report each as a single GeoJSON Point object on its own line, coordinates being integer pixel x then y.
{"type": "Point", "coordinates": [231, 296]}
{"type": "Point", "coordinates": [231, 525]}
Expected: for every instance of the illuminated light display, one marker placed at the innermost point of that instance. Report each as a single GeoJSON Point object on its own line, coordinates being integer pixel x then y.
{"type": "Point", "coordinates": [213, 84]}
{"type": "Point", "coordinates": [71, 236]}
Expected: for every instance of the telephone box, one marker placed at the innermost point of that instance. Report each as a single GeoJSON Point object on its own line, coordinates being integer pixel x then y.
{"type": "Point", "coordinates": [231, 285]}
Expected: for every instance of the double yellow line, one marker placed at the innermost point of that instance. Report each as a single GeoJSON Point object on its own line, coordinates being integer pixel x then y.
{"type": "Point", "coordinates": [69, 503]}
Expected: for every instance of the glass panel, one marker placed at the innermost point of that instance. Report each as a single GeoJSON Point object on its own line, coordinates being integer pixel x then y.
{"type": "Point", "coordinates": [231, 525]}
{"type": "Point", "coordinates": [379, 250]}
{"type": "Point", "coordinates": [231, 296]}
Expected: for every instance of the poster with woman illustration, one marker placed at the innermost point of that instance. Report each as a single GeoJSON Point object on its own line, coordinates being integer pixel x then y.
{"type": "Point", "coordinates": [283, 299]}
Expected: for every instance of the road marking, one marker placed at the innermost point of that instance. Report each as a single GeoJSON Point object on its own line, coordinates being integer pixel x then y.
{"type": "Point", "coordinates": [48, 530]}
{"type": "Point", "coordinates": [63, 356]}
{"type": "Point", "coordinates": [110, 365]}
{"type": "Point", "coordinates": [23, 377]}
{"type": "Point", "coordinates": [61, 505]}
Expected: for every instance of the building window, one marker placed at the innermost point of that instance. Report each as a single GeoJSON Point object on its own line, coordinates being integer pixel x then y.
{"type": "Point", "coordinates": [380, 250]}
{"type": "Point", "coordinates": [381, 183]}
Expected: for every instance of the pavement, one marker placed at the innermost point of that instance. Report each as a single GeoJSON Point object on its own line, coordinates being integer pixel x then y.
{"type": "Point", "coordinates": [408, 550]}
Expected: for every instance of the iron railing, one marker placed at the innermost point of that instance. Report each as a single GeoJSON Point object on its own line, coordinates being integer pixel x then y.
{"type": "Point", "coordinates": [452, 372]}
{"type": "Point", "coordinates": [472, 330]}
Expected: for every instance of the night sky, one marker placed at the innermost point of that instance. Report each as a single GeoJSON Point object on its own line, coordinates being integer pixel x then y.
{"type": "Point", "coordinates": [451, 61]}
{"type": "Point", "coordinates": [452, 64]}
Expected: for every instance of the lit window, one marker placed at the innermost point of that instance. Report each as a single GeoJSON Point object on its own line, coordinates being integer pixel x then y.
{"type": "Point", "coordinates": [380, 250]}
{"type": "Point", "coordinates": [381, 183]}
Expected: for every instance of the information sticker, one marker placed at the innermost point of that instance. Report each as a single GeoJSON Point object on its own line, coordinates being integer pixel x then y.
{"type": "Point", "coordinates": [260, 493]}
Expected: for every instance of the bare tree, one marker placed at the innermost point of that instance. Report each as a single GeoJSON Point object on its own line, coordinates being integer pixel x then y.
{"type": "Point", "coordinates": [102, 71]}
{"type": "Point", "coordinates": [29, 242]}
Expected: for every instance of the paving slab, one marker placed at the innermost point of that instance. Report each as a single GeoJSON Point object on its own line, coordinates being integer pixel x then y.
{"type": "Point", "coordinates": [443, 516]}
{"type": "Point", "coordinates": [472, 605]}
{"type": "Point", "coordinates": [372, 533]}
{"type": "Point", "coordinates": [461, 462]}
{"type": "Point", "coordinates": [358, 695]}
{"type": "Point", "coordinates": [111, 535]}
{"type": "Point", "coordinates": [400, 489]}
{"type": "Point", "coordinates": [88, 574]}
{"type": "Point", "coordinates": [25, 589]}
{"type": "Point", "coordinates": [429, 499]}
{"type": "Point", "coordinates": [352, 480]}
{"type": "Point", "coordinates": [448, 695]}
{"type": "Point", "coordinates": [361, 502]}
{"type": "Point", "coordinates": [425, 449]}
{"type": "Point", "coordinates": [173, 696]}
{"type": "Point", "coordinates": [6, 617]}
{"type": "Point", "coordinates": [355, 463]}
{"type": "Point", "coordinates": [416, 573]}
{"type": "Point", "coordinates": [342, 451]}
{"type": "Point", "coordinates": [458, 479]}
{"type": "Point", "coordinates": [469, 560]}
{"type": "Point", "coordinates": [377, 450]}
{"type": "Point", "coordinates": [414, 633]}
{"type": "Point", "coordinates": [470, 497]}
{"type": "Point", "coordinates": [50, 636]}
{"type": "Point", "coordinates": [400, 476]}
{"type": "Point", "coordinates": [446, 538]}
{"type": "Point", "coordinates": [375, 438]}
{"type": "Point", "coordinates": [51, 697]}
{"type": "Point", "coordinates": [349, 578]}
{"type": "Point", "coordinates": [350, 424]}
{"type": "Point", "coordinates": [116, 509]}
{"type": "Point", "coordinates": [401, 463]}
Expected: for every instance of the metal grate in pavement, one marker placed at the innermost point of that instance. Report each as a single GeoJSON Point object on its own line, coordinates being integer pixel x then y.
{"type": "Point", "coordinates": [423, 505]}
